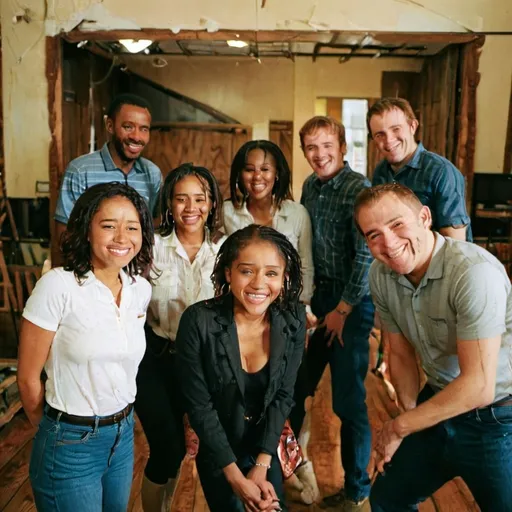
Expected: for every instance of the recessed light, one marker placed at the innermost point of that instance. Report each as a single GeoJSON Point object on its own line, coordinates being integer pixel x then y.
{"type": "Point", "coordinates": [236, 43]}
{"type": "Point", "coordinates": [134, 46]}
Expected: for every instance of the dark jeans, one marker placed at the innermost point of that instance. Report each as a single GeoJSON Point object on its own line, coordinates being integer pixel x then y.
{"type": "Point", "coordinates": [349, 365]}
{"type": "Point", "coordinates": [219, 494]}
{"type": "Point", "coordinates": [159, 407]}
{"type": "Point", "coordinates": [476, 446]}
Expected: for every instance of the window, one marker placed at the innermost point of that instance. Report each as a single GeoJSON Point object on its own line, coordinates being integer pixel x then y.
{"type": "Point", "coordinates": [352, 113]}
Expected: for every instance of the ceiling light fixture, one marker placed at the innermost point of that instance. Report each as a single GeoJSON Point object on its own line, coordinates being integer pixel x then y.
{"type": "Point", "coordinates": [134, 46]}
{"type": "Point", "coordinates": [234, 43]}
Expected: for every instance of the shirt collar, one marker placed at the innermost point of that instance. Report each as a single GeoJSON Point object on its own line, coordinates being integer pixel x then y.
{"type": "Point", "coordinates": [90, 278]}
{"type": "Point", "coordinates": [413, 163]}
{"type": "Point", "coordinates": [435, 268]}
{"type": "Point", "coordinates": [109, 163]}
{"type": "Point", "coordinates": [283, 211]}
{"type": "Point", "coordinates": [337, 180]}
{"type": "Point", "coordinates": [173, 241]}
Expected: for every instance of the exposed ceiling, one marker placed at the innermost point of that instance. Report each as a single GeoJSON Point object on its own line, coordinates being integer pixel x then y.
{"type": "Point", "coordinates": [341, 45]}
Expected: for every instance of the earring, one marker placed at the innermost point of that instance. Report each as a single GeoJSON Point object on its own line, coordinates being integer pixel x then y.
{"type": "Point", "coordinates": [168, 217]}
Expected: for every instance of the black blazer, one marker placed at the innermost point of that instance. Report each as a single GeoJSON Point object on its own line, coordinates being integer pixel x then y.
{"type": "Point", "coordinates": [210, 369]}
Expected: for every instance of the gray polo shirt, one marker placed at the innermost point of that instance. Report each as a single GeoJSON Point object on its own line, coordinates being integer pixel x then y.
{"type": "Point", "coordinates": [464, 295]}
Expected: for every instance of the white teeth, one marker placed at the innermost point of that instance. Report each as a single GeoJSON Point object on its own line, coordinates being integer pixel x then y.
{"type": "Point", "coordinates": [259, 187]}
{"type": "Point", "coordinates": [395, 254]}
{"type": "Point", "coordinates": [256, 296]}
{"type": "Point", "coordinates": [120, 252]}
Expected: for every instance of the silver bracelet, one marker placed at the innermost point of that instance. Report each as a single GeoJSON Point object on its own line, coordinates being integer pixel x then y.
{"type": "Point", "coordinates": [262, 465]}
{"type": "Point", "coordinates": [342, 313]}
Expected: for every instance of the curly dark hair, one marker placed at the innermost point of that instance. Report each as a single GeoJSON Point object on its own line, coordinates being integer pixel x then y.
{"type": "Point", "coordinates": [75, 245]}
{"type": "Point", "coordinates": [230, 250]}
{"type": "Point", "coordinates": [210, 186]}
{"type": "Point", "coordinates": [126, 99]}
{"type": "Point", "coordinates": [282, 186]}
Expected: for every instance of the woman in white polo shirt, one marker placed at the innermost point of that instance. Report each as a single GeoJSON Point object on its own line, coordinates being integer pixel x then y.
{"type": "Point", "coordinates": [84, 325]}
{"type": "Point", "coordinates": [184, 255]}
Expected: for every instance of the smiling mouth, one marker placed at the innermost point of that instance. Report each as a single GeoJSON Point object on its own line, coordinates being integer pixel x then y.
{"type": "Point", "coordinates": [396, 254]}
{"type": "Point", "coordinates": [259, 187]}
{"type": "Point", "coordinates": [256, 298]}
{"type": "Point", "coordinates": [190, 219]}
{"type": "Point", "coordinates": [134, 148]}
{"type": "Point", "coordinates": [118, 252]}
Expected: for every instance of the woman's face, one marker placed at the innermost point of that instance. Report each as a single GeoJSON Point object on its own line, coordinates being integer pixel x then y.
{"type": "Point", "coordinates": [256, 277]}
{"type": "Point", "coordinates": [259, 174]}
{"type": "Point", "coordinates": [115, 234]}
{"type": "Point", "coordinates": [190, 205]}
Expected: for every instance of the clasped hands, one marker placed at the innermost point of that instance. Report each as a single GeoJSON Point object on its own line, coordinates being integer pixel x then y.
{"type": "Point", "coordinates": [256, 492]}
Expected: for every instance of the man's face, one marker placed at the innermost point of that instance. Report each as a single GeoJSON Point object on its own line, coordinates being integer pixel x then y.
{"type": "Point", "coordinates": [323, 152]}
{"type": "Point", "coordinates": [397, 235]}
{"type": "Point", "coordinates": [394, 136]}
{"type": "Point", "coordinates": [129, 131]}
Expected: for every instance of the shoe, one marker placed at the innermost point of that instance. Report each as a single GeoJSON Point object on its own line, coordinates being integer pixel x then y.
{"type": "Point", "coordinates": [306, 474]}
{"type": "Point", "coordinates": [341, 503]}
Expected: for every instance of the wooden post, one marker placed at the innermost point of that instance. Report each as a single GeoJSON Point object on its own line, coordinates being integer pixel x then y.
{"type": "Point", "coordinates": [56, 168]}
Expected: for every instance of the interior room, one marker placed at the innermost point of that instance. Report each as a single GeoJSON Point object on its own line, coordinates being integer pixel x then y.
{"type": "Point", "coordinates": [219, 74]}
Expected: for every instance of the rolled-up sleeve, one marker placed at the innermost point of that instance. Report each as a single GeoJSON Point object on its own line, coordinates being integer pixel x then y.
{"type": "Point", "coordinates": [71, 189]}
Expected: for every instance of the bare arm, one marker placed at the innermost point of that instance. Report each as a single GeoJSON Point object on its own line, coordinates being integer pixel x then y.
{"type": "Point", "coordinates": [35, 344]}
{"type": "Point", "coordinates": [403, 370]}
{"type": "Point", "coordinates": [455, 232]}
{"type": "Point", "coordinates": [473, 388]}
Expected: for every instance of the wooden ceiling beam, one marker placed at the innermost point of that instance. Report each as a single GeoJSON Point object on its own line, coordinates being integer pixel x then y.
{"type": "Point", "coordinates": [265, 36]}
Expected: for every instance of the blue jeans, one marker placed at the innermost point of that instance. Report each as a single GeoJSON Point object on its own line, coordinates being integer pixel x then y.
{"type": "Point", "coordinates": [349, 365]}
{"type": "Point", "coordinates": [476, 446]}
{"type": "Point", "coordinates": [77, 468]}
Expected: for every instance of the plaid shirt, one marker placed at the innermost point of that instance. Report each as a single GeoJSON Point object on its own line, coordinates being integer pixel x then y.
{"type": "Point", "coordinates": [98, 167]}
{"type": "Point", "coordinates": [437, 183]}
{"type": "Point", "coordinates": [339, 251]}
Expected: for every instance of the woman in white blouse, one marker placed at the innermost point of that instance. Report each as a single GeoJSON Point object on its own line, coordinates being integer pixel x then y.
{"type": "Point", "coordinates": [261, 194]}
{"type": "Point", "coordinates": [84, 325]}
{"type": "Point", "coordinates": [184, 255]}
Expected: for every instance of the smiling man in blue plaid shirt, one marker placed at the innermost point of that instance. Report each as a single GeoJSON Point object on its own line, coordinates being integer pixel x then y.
{"type": "Point", "coordinates": [341, 298]}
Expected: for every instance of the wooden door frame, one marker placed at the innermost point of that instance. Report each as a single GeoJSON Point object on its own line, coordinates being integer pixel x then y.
{"type": "Point", "coordinates": [54, 76]}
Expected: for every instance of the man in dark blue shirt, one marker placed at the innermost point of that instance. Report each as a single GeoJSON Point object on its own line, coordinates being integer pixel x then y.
{"type": "Point", "coordinates": [435, 180]}
{"type": "Point", "coordinates": [341, 299]}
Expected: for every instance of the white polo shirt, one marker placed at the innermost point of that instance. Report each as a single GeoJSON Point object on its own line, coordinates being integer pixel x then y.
{"type": "Point", "coordinates": [97, 347]}
{"type": "Point", "coordinates": [292, 220]}
{"type": "Point", "coordinates": [177, 284]}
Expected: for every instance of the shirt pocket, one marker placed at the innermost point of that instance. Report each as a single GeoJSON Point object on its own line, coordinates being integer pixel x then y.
{"type": "Point", "coordinates": [438, 333]}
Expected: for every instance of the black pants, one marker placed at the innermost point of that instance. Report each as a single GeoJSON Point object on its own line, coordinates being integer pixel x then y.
{"type": "Point", "coordinates": [159, 407]}
{"type": "Point", "coordinates": [219, 494]}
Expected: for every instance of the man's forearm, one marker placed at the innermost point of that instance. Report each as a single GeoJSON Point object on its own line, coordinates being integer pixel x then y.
{"type": "Point", "coordinates": [405, 379]}
{"type": "Point", "coordinates": [458, 397]}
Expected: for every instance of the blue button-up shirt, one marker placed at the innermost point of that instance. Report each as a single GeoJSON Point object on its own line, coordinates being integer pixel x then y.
{"type": "Point", "coordinates": [98, 167]}
{"type": "Point", "coordinates": [437, 183]}
{"type": "Point", "coordinates": [339, 251]}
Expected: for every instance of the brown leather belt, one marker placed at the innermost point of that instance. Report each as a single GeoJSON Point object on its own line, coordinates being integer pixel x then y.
{"type": "Point", "coordinates": [88, 421]}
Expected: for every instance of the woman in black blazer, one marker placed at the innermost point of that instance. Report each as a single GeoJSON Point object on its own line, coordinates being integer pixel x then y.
{"type": "Point", "coordinates": [238, 357]}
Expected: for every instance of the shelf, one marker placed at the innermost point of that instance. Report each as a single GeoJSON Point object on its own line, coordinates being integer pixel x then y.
{"type": "Point", "coordinates": [494, 214]}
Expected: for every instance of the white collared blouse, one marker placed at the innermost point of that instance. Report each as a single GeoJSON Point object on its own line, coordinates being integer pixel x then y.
{"type": "Point", "coordinates": [97, 346]}
{"type": "Point", "coordinates": [292, 220]}
{"type": "Point", "coordinates": [177, 283]}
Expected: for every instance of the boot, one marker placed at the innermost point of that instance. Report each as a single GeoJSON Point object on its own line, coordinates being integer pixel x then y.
{"type": "Point", "coordinates": [152, 496]}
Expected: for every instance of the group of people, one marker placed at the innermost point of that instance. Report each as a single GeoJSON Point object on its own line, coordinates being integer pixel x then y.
{"type": "Point", "coordinates": [206, 321]}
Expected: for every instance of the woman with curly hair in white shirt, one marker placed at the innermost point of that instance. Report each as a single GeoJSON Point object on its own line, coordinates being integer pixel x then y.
{"type": "Point", "coordinates": [260, 186]}
{"type": "Point", "coordinates": [186, 246]}
{"type": "Point", "coordinates": [84, 324]}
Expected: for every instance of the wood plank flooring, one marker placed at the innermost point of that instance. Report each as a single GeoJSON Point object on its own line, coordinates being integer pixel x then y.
{"type": "Point", "coordinates": [324, 449]}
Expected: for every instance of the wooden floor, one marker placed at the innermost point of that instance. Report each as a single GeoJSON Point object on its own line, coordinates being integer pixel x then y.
{"type": "Point", "coordinates": [324, 448]}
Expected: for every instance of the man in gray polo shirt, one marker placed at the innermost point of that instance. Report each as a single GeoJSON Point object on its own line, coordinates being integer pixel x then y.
{"type": "Point", "coordinates": [450, 302]}
{"type": "Point", "coordinates": [128, 124]}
